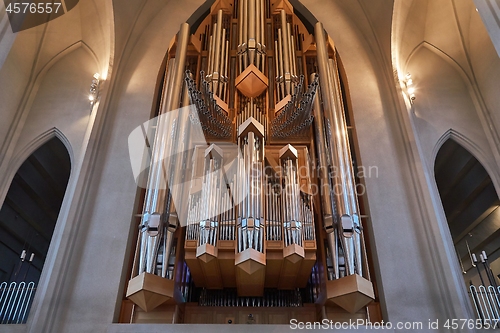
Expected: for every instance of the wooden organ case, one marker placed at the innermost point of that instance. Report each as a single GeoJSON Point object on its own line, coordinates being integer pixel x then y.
{"type": "Point", "coordinates": [250, 207]}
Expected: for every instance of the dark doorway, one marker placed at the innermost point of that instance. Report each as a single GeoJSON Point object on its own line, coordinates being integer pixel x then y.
{"type": "Point", "coordinates": [29, 213]}
{"type": "Point", "coordinates": [471, 206]}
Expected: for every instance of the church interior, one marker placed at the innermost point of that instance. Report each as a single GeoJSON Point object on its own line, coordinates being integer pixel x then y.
{"type": "Point", "coordinates": [165, 165]}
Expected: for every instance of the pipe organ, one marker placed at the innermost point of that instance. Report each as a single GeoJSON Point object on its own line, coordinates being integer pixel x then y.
{"type": "Point", "coordinates": [251, 188]}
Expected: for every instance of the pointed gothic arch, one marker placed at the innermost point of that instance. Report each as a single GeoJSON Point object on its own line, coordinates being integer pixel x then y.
{"type": "Point", "coordinates": [470, 201]}
{"type": "Point", "coordinates": [29, 214]}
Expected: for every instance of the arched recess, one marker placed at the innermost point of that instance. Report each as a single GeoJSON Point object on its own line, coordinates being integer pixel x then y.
{"type": "Point", "coordinates": [30, 210]}
{"type": "Point", "coordinates": [481, 155]}
{"type": "Point", "coordinates": [470, 202]}
{"type": "Point", "coordinates": [28, 150]}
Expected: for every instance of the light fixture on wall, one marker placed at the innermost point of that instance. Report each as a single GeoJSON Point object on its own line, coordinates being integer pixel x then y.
{"type": "Point", "coordinates": [94, 89]}
{"type": "Point", "coordinates": [410, 88]}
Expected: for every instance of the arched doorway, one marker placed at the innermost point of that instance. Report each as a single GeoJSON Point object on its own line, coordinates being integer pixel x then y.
{"type": "Point", "coordinates": [27, 220]}
{"type": "Point", "coordinates": [470, 203]}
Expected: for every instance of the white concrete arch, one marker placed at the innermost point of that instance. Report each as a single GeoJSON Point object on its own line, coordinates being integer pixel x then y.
{"type": "Point", "coordinates": [26, 152]}
{"type": "Point", "coordinates": [8, 149]}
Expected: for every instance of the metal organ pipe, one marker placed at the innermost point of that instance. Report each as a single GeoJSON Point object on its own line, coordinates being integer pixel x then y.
{"type": "Point", "coordinates": [251, 42]}
{"type": "Point", "coordinates": [292, 203]}
{"type": "Point", "coordinates": [218, 55]}
{"type": "Point", "coordinates": [347, 215]}
{"type": "Point", "coordinates": [349, 172]}
{"type": "Point", "coordinates": [218, 43]}
{"type": "Point", "coordinates": [251, 31]}
{"type": "Point", "coordinates": [250, 222]}
{"type": "Point", "coordinates": [157, 196]}
{"type": "Point", "coordinates": [330, 224]}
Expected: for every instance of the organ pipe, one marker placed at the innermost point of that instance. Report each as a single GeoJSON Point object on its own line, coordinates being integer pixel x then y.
{"type": "Point", "coordinates": [251, 43]}
{"type": "Point", "coordinates": [249, 202]}
{"type": "Point", "coordinates": [346, 215]}
{"type": "Point", "coordinates": [158, 199]}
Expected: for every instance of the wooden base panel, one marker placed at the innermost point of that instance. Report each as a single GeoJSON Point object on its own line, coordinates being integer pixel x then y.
{"type": "Point", "coordinates": [352, 292]}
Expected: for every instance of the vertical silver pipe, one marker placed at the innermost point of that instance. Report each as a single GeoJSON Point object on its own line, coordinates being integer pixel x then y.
{"type": "Point", "coordinates": [286, 49]}
{"type": "Point", "coordinates": [245, 32]}
{"type": "Point", "coordinates": [338, 148]}
{"type": "Point", "coordinates": [220, 68]}
{"type": "Point", "coordinates": [226, 65]}
{"type": "Point", "coordinates": [171, 102]}
{"type": "Point", "coordinates": [281, 58]}
{"type": "Point", "coordinates": [268, 219]}
{"type": "Point", "coordinates": [263, 33]}
{"type": "Point", "coordinates": [217, 60]}
{"type": "Point", "coordinates": [258, 42]}
{"type": "Point", "coordinates": [291, 45]}
{"type": "Point", "coordinates": [251, 31]}
{"type": "Point", "coordinates": [240, 35]}
{"type": "Point", "coordinates": [278, 73]}
{"type": "Point", "coordinates": [211, 53]}
{"type": "Point", "coordinates": [349, 172]}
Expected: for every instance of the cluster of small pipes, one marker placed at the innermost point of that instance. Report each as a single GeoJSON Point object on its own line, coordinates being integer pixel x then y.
{"type": "Point", "coordinates": [271, 298]}
{"type": "Point", "coordinates": [297, 115]}
{"type": "Point", "coordinates": [213, 119]}
{"type": "Point", "coordinates": [294, 213]}
{"type": "Point", "coordinates": [252, 107]}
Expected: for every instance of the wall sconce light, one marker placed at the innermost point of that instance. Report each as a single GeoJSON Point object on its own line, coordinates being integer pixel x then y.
{"type": "Point", "coordinates": [94, 89]}
{"type": "Point", "coordinates": [410, 89]}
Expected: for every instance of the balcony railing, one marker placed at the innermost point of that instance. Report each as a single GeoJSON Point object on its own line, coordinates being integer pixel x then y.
{"type": "Point", "coordinates": [486, 301]}
{"type": "Point", "coordinates": [15, 301]}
